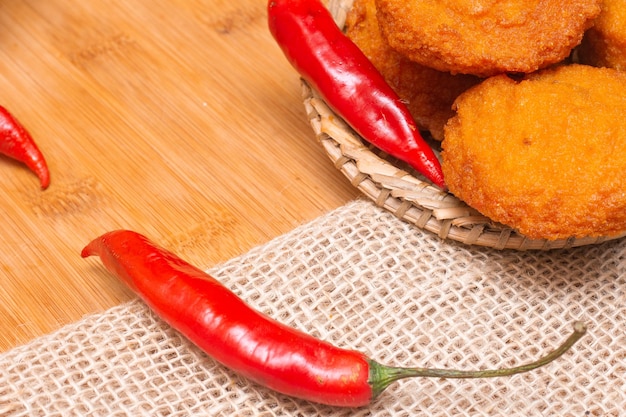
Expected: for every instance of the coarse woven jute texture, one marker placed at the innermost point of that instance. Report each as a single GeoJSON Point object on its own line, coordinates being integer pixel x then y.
{"type": "Point", "coordinates": [360, 278]}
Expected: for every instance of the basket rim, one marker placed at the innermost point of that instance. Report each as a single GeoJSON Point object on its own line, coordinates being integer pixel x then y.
{"type": "Point", "coordinates": [402, 191]}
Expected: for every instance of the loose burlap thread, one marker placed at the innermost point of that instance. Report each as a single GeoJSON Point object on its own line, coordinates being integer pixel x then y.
{"type": "Point", "coordinates": [362, 279]}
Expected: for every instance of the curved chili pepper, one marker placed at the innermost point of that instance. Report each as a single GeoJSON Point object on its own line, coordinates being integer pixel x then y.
{"type": "Point", "coordinates": [252, 344]}
{"type": "Point", "coordinates": [17, 143]}
{"type": "Point", "coordinates": [349, 83]}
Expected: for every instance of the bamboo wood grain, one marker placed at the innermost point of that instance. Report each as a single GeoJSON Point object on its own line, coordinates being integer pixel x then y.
{"type": "Point", "coordinates": [177, 119]}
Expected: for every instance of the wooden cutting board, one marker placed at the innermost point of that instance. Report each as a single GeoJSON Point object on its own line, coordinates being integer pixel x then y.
{"type": "Point", "coordinates": [181, 120]}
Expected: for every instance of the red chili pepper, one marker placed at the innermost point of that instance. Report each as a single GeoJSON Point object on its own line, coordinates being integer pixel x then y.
{"type": "Point", "coordinates": [252, 344]}
{"type": "Point", "coordinates": [17, 143]}
{"type": "Point", "coordinates": [349, 83]}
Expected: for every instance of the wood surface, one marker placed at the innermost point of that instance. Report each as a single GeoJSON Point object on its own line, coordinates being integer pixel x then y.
{"type": "Point", "coordinates": [181, 120]}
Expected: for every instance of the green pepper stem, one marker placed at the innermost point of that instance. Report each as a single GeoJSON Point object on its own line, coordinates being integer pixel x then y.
{"type": "Point", "coordinates": [381, 376]}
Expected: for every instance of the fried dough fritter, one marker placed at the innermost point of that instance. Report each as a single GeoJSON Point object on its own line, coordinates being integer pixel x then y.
{"type": "Point", "coordinates": [604, 45]}
{"type": "Point", "coordinates": [485, 37]}
{"type": "Point", "coordinates": [545, 155]}
{"type": "Point", "coordinates": [428, 93]}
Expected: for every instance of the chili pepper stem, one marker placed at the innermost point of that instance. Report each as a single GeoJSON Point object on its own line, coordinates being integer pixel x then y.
{"type": "Point", "coordinates": [381, 376]}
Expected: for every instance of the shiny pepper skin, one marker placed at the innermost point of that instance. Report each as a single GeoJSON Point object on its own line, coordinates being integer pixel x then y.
{"type": "Point", "coordinates": [274, 355]}
{"type": "Point", "coordinates": [349, 83]}
{"type": "Point", "coordinates": [17, 143]}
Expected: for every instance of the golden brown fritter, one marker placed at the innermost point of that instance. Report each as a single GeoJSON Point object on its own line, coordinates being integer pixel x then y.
{"type": "Point", "coordinates": [428, 93]}
{"type": "Point", "coordinates": [545, 155]}
{"type": "Point", "coordinates": [485, 37]}
{"type": "Point", "coordinates": [604, 45]}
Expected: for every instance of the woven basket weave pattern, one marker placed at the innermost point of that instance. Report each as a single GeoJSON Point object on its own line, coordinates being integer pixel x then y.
{"type": "Point", "coordinates": [402, 191]}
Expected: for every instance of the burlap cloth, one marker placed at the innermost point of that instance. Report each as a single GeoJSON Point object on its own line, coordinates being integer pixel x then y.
{"type": "Point", "coordinates": [361, 279]}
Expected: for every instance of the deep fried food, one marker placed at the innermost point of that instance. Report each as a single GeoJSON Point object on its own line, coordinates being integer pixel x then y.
{"type": "Point", "coordinates": [545, 155]}
{"type": "Point", "coordinates": [428, 93]}
{"type": "Point", "coordinates": [485, 37]}
{"type": "Point", "coordinates": [604, 45]}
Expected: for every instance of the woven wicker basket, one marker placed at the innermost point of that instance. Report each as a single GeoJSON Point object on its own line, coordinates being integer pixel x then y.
{"type": "Point", "coordinates": [400, 190]}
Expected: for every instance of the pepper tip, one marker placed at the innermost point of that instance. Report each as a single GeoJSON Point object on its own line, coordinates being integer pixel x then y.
{"type": "Point", "coordinates": [45, 182]}
{"type": "Point", "coordinates": [88, 250]}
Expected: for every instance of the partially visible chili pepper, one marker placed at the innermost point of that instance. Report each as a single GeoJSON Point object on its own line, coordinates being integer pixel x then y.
{"type": "Point", "coordinates": [349, 83]}
{"type": "Point", "coordinates": [252, 344]}
{"type": "Point", "coordinates": [17, 143]}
